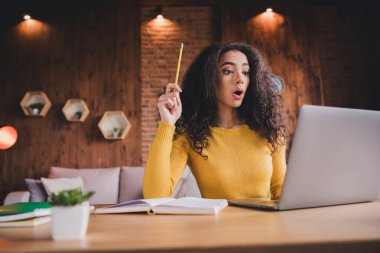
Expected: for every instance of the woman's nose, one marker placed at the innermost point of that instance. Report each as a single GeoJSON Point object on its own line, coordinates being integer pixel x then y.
{"type": "Point", "coordinates": [239, 78]}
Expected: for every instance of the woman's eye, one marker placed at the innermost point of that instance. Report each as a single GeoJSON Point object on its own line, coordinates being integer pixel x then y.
{"type": "Point", "coordinates": [227, 71]}
{"type": "Point", "coordinates": [246, 73]}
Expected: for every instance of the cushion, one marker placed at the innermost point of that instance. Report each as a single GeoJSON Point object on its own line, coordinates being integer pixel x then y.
{"type": "Point", "coordinates": [16, 197]}
{"type": "Point", "coordinates": [103, 181]}
{"type": "Point", "coordinates": [36, 189]}
{"type": "Point", "coordinates": [131, 183]}
{"type": "Point", "coordinates": [181, 187]}
{"type": "Point", "coordinates": [187, 185]}
{"type": "Point", "coordinates": [56, 185]}
{"type": "Point", "coordinates": [192, 189]}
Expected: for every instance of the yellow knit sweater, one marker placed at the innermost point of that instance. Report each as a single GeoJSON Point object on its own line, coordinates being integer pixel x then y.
{"type": "Point", "coordinates": [240, 164]}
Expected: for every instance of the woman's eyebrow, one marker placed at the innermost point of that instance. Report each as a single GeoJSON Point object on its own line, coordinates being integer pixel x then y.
{"type": "Point", "coordinates": [231, 63]}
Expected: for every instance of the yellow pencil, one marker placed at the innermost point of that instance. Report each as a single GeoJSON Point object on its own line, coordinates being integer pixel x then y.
{"type": "Point", "coordinates": [179, 64]}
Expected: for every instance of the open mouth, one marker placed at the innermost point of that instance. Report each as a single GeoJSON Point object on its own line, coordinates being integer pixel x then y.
{"type": "Point", "coordinates": [238, 92]}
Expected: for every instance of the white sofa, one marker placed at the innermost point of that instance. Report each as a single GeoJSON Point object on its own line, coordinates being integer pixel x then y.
{"type": "Point", "coordinates": [111, 185]}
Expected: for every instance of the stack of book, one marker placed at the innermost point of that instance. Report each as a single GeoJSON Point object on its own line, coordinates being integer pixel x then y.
{"type": "Point", "coordinates": [25, 214]}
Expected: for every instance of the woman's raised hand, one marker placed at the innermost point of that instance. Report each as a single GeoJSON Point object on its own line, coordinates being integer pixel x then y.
{"type": "Point", "coordinates": [169, 104]}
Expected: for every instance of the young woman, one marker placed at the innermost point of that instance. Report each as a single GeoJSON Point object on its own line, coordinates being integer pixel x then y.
{"type": "Point", "coordinates": [225, 123]}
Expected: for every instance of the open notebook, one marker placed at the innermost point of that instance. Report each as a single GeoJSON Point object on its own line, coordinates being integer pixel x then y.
{"type": "Point", "coordinates": [186, 205]}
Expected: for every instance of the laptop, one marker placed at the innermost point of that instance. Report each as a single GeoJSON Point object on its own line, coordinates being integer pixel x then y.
{"type": "Point", "coordinates": [334, 160]}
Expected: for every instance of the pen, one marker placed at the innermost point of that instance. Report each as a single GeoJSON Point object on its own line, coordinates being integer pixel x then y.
{"type": "Point", "coordinates": [178, 64]}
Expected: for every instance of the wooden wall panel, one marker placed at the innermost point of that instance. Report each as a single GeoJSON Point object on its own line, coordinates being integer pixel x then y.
{"type": "Point", "coordinates": [291, 50]}
{"type": "Point", "coordinates": [88, 50]}
{"type": "Point", "coordinates": [349, 53]}
{"type": "Point", "coordinates": [287, 41]}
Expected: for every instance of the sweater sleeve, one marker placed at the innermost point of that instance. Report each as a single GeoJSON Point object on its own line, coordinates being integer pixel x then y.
{"type": "Point", "coordinates": [279, 170]}
{"type": "Point", "coordinates": [166, 161]}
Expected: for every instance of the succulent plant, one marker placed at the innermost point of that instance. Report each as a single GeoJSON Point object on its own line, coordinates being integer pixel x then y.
{"type": "Point", "coordinates": [69, 198]}
{"type": "Point", "coordinates": [38, 106]}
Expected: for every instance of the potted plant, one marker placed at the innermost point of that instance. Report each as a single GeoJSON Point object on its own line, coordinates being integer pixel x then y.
{"type": "Point", "coordinates": [35, 108]}
{"type": "Point", "coordinates": [70, 214]}
{"type": "Point", "coordinates": [78, 115]}
{"type": "Point", "coordinates": [115, 132]}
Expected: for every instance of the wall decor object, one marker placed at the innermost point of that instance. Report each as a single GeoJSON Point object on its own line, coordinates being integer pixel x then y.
{"type": "Point", "coordinates": [8, 137]}
{"type": "Point", "coordinates": [75, 110]}
{"type": "Point", "coordinates": [279, 83]}
{"type": "Point", "coordinates": [35, 103]}
{"type": "Point", "coordinates": [114, 125]}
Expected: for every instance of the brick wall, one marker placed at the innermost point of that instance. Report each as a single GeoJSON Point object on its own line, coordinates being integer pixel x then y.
{"type": "Point", "coordinates": [195, 27]}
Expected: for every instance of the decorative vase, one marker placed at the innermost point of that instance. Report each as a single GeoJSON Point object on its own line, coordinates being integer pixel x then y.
{"type": "Point", "coordinates": [115, 134]}
{"type": "Point", "coordinates": [35, 111]}
{"type": "Point", "coordinates": [69, 222]}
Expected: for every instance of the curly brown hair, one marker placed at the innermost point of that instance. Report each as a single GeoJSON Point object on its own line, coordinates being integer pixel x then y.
{"type": "Point", "coordinates": [261, 108]}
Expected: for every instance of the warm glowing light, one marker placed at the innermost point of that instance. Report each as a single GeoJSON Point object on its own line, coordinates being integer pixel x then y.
{"type": "Point", "coordinates": [160, 18]}
{"type": "Point", "coordinates": [27, 17]}
{"type": "Point", "coordinates": [32, 28]}
{"type": "Point", "coordinates": [269, 10]}
{"type": "Point", "coordinates": [8, 137]}
{"type": "Point", "coordinates": [161, 31]}
{"type": "Point", "coordinates": [268, 22]}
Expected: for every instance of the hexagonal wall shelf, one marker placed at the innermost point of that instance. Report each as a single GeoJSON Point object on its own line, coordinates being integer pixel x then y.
{"type": "Point", "coordinates": [75, 110]}
{"type": "Point", "coordinates": [114, 125]}
{"type": "Point", "coordinates": [35, 103]}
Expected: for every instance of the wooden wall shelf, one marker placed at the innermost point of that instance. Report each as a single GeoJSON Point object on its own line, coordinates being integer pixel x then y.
{"type": "Point", "coordinates": [35, 103]}
{"type": "Point", "coordinates": [75, 110]}
{"type": "Point", "coordinates": [114, 125]}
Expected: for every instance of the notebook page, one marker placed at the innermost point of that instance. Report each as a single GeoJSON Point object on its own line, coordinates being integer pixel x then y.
{"type": "Point", "coordinates": [142, 202]}
{"type": "Point", "coordinates": [158, 201]}
{"type": "Point", "coordinates": [193, 202]}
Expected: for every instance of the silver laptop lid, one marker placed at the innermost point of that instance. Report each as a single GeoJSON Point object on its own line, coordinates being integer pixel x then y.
{"type": "Point", "coordinates": [334, 159]}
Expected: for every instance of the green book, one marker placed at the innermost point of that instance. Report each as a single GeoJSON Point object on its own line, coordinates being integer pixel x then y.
{"type": "Point", "coordinates": [24, 210]}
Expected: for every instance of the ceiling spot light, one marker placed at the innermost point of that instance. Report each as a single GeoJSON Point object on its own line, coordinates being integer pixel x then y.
{"type": "Point", "coordinates": [160, 18]}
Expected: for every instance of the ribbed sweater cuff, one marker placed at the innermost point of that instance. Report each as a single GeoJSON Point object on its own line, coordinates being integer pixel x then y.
{"type": "Point", "coordinates": [165, 131]}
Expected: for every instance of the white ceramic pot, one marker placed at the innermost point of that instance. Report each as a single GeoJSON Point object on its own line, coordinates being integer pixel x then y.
{"type": "Point", "coordinates": [69, 223]}
{"type": "Point", "coordinates": [35, 111]}
{"type": "Point", "coordinates": [115, 134]}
